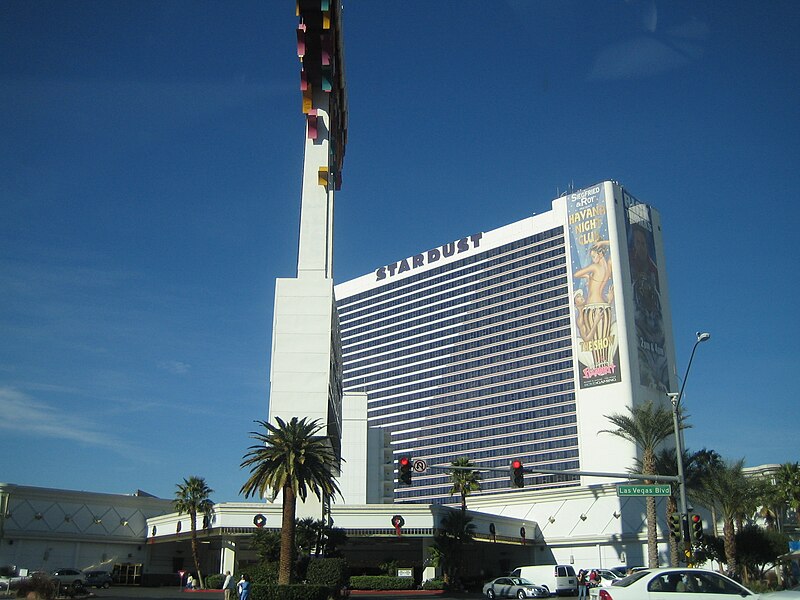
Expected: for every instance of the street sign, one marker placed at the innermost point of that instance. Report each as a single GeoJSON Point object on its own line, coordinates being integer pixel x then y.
{"type": "Point", "coordinates": [420, 465]}
{"type": "Point", "coordinates": [644, 490]}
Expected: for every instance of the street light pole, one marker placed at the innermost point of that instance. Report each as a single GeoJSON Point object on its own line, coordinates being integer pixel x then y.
{"type": "Point", "coordinates": [676, 403]}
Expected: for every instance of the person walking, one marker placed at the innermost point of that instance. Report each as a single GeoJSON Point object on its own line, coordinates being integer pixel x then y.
{"type": "Point", "coordinates": [228, 586]}
{"type": "Point", "coordinates": [244, 587]}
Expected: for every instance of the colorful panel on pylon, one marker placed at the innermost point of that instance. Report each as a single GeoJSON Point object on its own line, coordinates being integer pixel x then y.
{"type": "Point", "coordinates": [319, 47]}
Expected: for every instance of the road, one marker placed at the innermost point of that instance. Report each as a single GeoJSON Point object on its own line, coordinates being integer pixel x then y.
{"type": "Point", "coordinates": [175, 593]}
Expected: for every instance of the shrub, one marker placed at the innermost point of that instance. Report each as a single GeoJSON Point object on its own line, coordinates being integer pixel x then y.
{"type": "Point", "coordinates": [331, 572]}
{"type": "Point", "coordinates": [381, 582]}
{"type": "Point", "coordinates": [433, 584]}
{"type": "Point", "coordinates": [214, 582]}
{"type": "Point", "coordinates": [264, 573]}
{"type": "Point", "coordinates": [290, 592]}
{"type": "Point", "coordinates": [38, 586]}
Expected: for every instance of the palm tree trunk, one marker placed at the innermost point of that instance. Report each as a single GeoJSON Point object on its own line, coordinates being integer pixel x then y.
{"type": "Point", "coordinates": [195, 555]}
{"type": "Point", "coordinates": [730, 546]}
{"type": "Point", "coordinates": [652, 532]}
{"type": "Point", "coordinates": [287, 536]}
{"type": "Point", "coordinates": [674, 557]}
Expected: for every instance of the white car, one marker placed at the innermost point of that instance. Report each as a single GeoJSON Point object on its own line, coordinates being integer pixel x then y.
{"type": "Point", "coordinates": [607, 576]}
{"type": "Point", "coordinates": [673, 584]}
{"type": "Point", "coordinates": [783, 594]}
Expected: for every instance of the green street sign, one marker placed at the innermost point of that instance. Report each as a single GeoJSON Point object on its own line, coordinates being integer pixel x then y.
{"type": "Point", "coordinates": [644, 490]}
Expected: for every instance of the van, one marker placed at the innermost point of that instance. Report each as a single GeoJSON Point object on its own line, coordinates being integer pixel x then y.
{"type": "Point", "coordinates": [560, 580]}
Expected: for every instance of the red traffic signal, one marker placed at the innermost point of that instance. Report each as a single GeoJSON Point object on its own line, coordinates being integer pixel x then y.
{"type": "Point", "coordinates": [404, 470]}
{"type": "Point", "coordinates": [517, 474]}
{"type": "Point", "coordinates": [696, 527]}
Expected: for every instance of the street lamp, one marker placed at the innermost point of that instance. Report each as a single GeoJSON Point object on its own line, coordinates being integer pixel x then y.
{"type": "Point", "coordinates": [676, 402]}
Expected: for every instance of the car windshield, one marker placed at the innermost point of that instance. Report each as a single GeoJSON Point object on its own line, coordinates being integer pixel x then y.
{"type": "Point", "coordinates": [626, 581]}
{"type": "Point", "coordinates": [521, 581]}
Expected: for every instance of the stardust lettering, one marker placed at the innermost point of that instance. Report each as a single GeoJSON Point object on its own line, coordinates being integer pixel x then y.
{"type": "Point", "coordinates": [429, 257]}
{"type": "Point", "coordinates": [599, 371]}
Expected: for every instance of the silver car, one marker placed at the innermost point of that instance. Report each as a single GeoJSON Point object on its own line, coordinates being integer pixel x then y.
{"type": "Point", "coordinates": [514, 587]}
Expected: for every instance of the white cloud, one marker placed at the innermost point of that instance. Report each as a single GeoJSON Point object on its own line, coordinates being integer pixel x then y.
{"type": "Point", "coordinates": [23, 413]}
{"type": "Point", "coordinates": [175, 367]}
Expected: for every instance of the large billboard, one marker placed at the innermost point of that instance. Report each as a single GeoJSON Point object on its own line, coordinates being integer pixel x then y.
{"type": "Point", "coordinates": [595, 315]}
{"type": "Point", "coordinates": [648, 316]}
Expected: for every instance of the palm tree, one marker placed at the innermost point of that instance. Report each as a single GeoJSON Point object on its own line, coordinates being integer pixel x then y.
{"type": "Point", "coordinates": [192, 497]}
{"type": "Point", "coordinates": [293, 458]}
{"type": "Point", "coordinates": [456, 530]}
{"type": "Point", "coordinates": [666, 464]}
{"type": "Point", "coordinates": [647, 426]}
{"type": "Point", "coordinates": [787, 479]}
{"type": "Point", "coordinates": [726, 489]}
{"type": "Point", "coordinates": [699, 465]}
{"type": "Point", "coordinates": [465, 480]}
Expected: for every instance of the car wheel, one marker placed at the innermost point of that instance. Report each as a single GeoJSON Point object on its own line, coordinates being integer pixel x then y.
{"type": "Point", "coordinates": [490, 594]}
{"type": "Point", "coordinates": [521, 594]}
{"type": "Point", "coordinates": [106, 585]}
{"type": "Point", "coordinates": [549, 593]}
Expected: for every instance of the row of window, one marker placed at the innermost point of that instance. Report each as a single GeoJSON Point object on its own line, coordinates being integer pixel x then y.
{"type": "Point", "coordinates": [460, 333]}
{"type": "Point", "coordinates": [464, 307]}
{"type": "Point", "coordinates": [550, 237]}
{"type": "Point", "coordinates": [554, 279]}
{"type": "Point", "coordinates": [420, 490]}
{"type": "Point", "coordinates": [463, 381]}
{"type": "Point", "coordinates": [466, 447]}
{"type": "Point", "coordinates": [461, 317]}
{"type": "Point", "coordinates": [380, 416]}
{"type": "Point", "coordinates": [456, 353]}
{"type": "Point", "coordinates": [532, 421]}
{"type": "Point", "coordinates": [470, 287]}
{"type": "Point", "coordinates": [513, 438]}
{"type": "Point", "coordinates": [473, 359]}
{"type": "Point", "coordinates": [444, 422]}
{"type": "Point", "coordinates": [448, 373]}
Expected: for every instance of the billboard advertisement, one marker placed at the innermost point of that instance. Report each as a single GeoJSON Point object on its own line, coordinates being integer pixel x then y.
{"type": "Point", "coordinates": [595, 333]}
{"type": "Point", "coordinates": [648, 316]}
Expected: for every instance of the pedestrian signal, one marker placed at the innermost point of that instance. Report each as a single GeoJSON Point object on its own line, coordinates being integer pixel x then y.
{"type": "Point", "coordinates": [404, 470]}
{"type": "Point", "coordinates": [517, 474]}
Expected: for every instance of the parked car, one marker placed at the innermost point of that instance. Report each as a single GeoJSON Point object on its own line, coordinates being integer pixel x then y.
{"type": "Point", "coordinates": [98, 579]}
{"type": "Point", "coordinates": [783, 594]}
{"type": "Point", "coordinates": [674, 584]}
{"type": "Point", "coordinates": [514, 587]}
{"type": "Point", "coordinates": [70, 577]}
{"type": "Point", "coordinates": [607, 576]}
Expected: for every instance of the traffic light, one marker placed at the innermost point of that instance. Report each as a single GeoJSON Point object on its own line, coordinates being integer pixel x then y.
{"type": "Point", "coordinates": [675, 526]}
{"type": "Point", "coordinates": [696, 527]}
{"type": "Point", "coordinates": [517, 474]}
{"type": "Point", "coordinates": [404, 470]}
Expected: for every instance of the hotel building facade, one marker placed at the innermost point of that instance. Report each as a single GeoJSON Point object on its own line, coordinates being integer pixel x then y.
{"type": "Point", "coordinates": [515, 343]}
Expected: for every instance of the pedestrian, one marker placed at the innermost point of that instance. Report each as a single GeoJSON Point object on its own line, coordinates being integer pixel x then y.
{"type": "Point", "coordinates": [244, 587]}
{"type": "Point", "coordinates": [582, 584]}
{"type": "Point", "coordinates": [189, 581]}
{"type": "Point", "coordinates": [594, 578]}
{"type": "Point", "coordinates": [228, 585]}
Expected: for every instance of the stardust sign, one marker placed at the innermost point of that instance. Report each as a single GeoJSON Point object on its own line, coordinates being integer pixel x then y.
{"type": "Point", "coordinates": [594, 311]}
{"type": "Point", "coordinates": [429, 257]}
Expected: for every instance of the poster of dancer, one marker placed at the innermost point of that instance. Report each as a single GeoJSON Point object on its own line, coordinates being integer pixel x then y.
{"type": "Point", "coordinates": [594, 310]}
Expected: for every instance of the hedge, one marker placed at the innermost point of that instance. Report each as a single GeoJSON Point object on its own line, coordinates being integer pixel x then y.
{"type": "Point", "coordinates": [381, 582]}
{"type": "Point", "coordinates": [290, 592]}
{"type": "Point", "coordinates": [331, 572]}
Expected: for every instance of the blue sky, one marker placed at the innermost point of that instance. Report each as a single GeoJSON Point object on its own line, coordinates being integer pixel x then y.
{"type": "Point", "coordinates": [150, 181]}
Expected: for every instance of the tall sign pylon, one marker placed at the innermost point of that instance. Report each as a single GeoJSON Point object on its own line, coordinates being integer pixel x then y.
{"type": "Point", "coordinates": [306, 365]}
